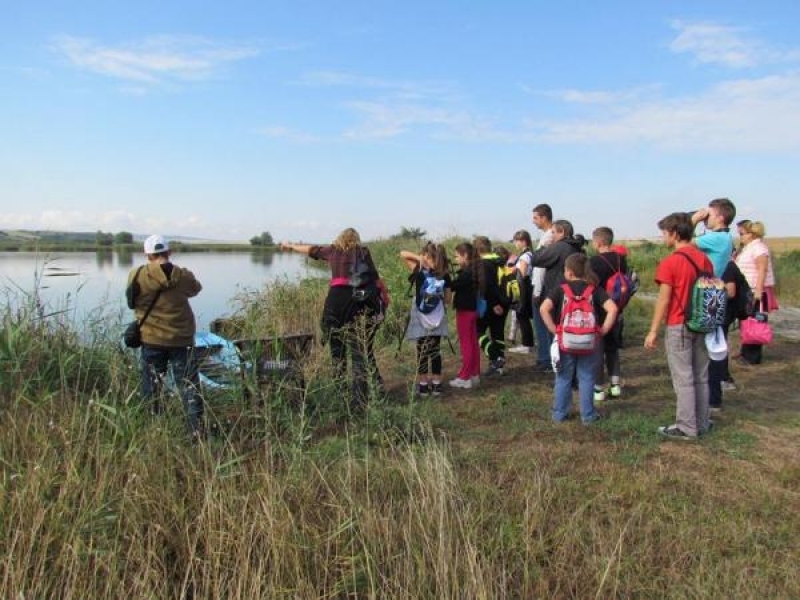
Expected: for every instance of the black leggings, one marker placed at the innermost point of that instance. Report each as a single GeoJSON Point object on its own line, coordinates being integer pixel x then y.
{"type": "Point", "coordinates": [429, 354]}
{"type": "Point", "coordinates": [492, 343]}
{"type": "Point", "coordinates": [525, 327]}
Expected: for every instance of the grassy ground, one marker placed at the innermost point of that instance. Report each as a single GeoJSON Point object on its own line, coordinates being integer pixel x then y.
{"type": "Point", "coordinates": [475, 495]}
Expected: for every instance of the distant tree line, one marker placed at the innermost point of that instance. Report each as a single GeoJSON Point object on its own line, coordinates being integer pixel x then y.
{"type": "Point", "coordinates": [409, 233]}
{"type": "Point", "coordinates": [265, 239]}
{"type": "Point", "coordinates": [106, 240]}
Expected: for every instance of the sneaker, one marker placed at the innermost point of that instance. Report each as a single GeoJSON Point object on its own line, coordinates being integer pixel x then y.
{"type": "Point", "coordinates": [436, 389]}
{"type": "Point", "coordinates": [496, 367]}
{"type": "Point", "coordinates": [464, 384]}
{"type": "Point", "coordinates": [423, 389]}
{"type": "Point", "coordinates": [599, 395]}
{"type": "Point", "coordinates": [521, 350]}
{"type": "Point", "coordinates": [615, 391]}
{"type": "Point", "coordinates": [674, 432]}
{"type": "Point", "coordinates": [597, 417]}
{"type": "Point", "coordinates": [728, 386]}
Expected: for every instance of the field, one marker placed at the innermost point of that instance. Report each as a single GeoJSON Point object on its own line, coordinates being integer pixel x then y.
{"type": "Point", "coordinates": [475, 495]}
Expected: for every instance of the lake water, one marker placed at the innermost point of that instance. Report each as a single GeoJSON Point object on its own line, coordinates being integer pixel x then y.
{"type": "Point", "coordinates": [88, 283]}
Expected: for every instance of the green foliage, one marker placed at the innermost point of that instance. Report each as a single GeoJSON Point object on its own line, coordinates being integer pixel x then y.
{"type": "Point", "coordinates": [41, 355]}
{"type": "Point", "coordinates": [265, 239]}
{"type": "Point", "coordinates": [410, 233]}
{"type": "Point", "coordinates": [104, 239]}
{"type": "Point", "coordinates": [123, 237]}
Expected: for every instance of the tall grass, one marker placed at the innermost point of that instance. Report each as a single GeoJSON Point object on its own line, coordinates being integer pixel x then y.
{"type": "Point", "coordinates": [479, 497]}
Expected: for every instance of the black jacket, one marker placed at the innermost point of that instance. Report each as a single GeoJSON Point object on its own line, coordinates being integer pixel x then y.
{"type": "Point", "coordinates": [465, 290]}
{"type": "Point", "coordinates": [552, 258]}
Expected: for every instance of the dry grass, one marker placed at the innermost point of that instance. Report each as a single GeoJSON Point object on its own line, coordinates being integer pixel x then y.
{"type": "Point", "coordinates": [478, 495]}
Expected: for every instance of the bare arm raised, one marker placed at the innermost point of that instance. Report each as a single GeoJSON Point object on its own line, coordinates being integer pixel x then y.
{"type": "Point", "coordinates": [301, 248]}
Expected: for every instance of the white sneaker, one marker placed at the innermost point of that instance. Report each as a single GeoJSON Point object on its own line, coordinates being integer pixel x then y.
{"type": "Point", "coordinates": [615, 391]}
{"type": "Point", "coordinates": [464, 384]}
{"type": "Point", "coordinates": [599, 395]}
{"type": "Point", "coordinates": [521, 350]}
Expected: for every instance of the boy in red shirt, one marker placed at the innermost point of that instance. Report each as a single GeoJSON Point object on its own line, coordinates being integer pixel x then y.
{"type": "Point", "coordinates": [686, 350]}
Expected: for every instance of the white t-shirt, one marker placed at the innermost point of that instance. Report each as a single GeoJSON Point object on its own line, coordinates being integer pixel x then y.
{"type": "Point", "coordinates": [527, 258]}
{"type": "Point", "coordinates": [538, 272]}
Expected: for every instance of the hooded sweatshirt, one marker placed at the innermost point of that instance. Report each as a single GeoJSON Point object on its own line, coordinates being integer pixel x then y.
{"type": "Point", "coordinates": [170, 323]}
{"type": "Point", "coordinates": [552, 258]}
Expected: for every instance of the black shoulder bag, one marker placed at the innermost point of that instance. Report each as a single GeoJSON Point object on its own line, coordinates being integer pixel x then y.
{"type": "Point", "coordinates": [132, 337]}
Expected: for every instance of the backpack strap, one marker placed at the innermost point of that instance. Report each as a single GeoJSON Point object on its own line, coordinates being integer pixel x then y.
{"type": "Point", "coordinates": [152, 302]}
{"type": "Point", "coordinates": [689, 258]}
{"type": "Point", "coordinates": [619, 263]}
{"type": "Point", "coordinates": [587, 292]}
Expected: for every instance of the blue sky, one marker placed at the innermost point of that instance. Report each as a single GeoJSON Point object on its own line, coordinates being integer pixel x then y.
{"type": "Point", "coordinates": [301, 118]}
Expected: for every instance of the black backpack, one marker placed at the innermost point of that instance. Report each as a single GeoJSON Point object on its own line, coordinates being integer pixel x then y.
{"type": "Point", "coordinates": [742, 305]}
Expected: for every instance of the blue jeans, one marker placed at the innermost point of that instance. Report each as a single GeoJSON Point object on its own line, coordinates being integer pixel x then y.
{"type": "Point", "coordinates": [543, 338]}
{"type": "Point", "coordinates": [154, 362]}
{"type": "Point", "coordinates": [584, 366]}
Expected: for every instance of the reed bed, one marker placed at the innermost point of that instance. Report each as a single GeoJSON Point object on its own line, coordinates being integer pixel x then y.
{"type": "Point", "coordinates": [477, 496]}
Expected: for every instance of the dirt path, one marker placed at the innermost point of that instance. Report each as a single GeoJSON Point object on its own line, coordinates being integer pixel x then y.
{"type": "Point", "coordinates": [785, 322]}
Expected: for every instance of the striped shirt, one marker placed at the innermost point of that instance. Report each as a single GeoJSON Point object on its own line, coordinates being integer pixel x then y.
{"type": "Point", "coordinates": [746, 261]}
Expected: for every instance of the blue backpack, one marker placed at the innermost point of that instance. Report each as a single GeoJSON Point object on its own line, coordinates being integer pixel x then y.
{"type": "Point", "coordinates": [619, 286]}
{"type": "Point", "coordinates": [431, 293]}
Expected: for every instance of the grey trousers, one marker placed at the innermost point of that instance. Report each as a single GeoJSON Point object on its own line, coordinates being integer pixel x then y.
{"type": "Point", "coordinates": [688, 364]}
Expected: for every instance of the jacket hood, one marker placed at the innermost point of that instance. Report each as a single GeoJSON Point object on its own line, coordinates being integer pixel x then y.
{"type": "Point", "coordinates": [576, 245]}
{"type": "Point", "coordinates": [156, 275]}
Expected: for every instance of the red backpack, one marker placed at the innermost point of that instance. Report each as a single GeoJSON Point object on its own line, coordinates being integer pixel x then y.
{"type": "Point", "coordinates": [619, 285]}
{"type": "Point", "coordinates": [577, 331]}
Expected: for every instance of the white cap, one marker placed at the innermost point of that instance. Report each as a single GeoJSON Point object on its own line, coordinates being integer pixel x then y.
{"type": "Point", "coordinates": [716, 344]}
{"type": "Point", "coordinates": [155, 244]}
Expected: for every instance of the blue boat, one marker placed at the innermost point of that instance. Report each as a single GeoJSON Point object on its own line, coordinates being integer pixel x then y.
{"type": "Point", "coordinates": [217, 360]}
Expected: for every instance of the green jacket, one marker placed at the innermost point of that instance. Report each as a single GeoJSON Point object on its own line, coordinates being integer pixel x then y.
{"type": "Point", "coordinates": [171, 322]}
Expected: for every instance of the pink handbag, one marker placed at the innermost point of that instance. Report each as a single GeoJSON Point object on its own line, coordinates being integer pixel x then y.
{"type": "Point", "coordinates": [756, 330]}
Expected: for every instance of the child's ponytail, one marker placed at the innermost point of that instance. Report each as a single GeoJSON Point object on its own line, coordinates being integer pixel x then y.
{"type": "Point", "coordinates": [438, 257]}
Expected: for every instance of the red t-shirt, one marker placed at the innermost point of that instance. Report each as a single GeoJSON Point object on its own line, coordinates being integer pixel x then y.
{"type": "Point", "coordinates": [679, 274]}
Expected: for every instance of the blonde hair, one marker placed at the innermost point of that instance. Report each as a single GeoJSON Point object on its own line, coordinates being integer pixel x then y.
{"type": "Point", "coordinates": [347, 240]}
{"type": "Point", "coordinates": [755, 228]}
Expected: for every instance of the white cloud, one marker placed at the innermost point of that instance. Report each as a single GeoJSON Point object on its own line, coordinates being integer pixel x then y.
{"type": "Point", "coordinates": [398, 88]}
{"type": "Point", "coordinates": [153, 60]}
{"type": "Point", "coordinates": [733, 47]}
{"type": "Point", "coordinates": [711, 43]}
{"type": "Point", "coordinates": [62, 220]}
{"type": "Point", "coordinates": [737, 115]}
{"type": "Point", "coordinates": [589, 97]}
{"type": "Point", "coordinates": [389, 119]}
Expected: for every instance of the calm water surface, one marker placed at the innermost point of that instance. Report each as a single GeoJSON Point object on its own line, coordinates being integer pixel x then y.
{"type": "Point", "coordinates": [89, 285]}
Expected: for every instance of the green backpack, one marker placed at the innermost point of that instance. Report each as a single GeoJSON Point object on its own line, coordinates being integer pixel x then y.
{"type": "Point", "coordinates": [707, 302]}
